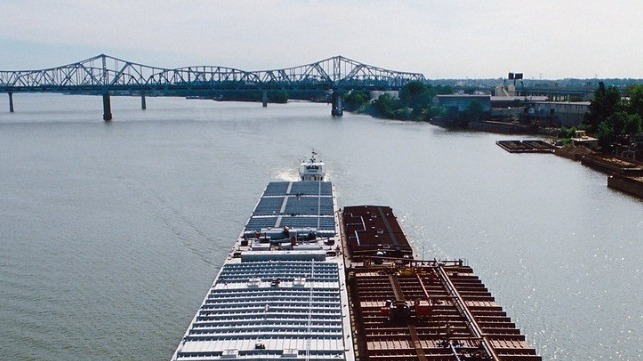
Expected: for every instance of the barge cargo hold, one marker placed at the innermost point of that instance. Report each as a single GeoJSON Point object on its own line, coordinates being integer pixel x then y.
{"type": "Point", "coordinates": [406, 309]}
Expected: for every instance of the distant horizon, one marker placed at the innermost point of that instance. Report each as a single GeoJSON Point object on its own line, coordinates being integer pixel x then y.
{"type": "Point", "coordinates": [454, 39]}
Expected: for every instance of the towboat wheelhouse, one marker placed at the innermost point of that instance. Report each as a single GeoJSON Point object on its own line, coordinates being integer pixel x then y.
{"type": "Point", "coordinates": [312, 169]}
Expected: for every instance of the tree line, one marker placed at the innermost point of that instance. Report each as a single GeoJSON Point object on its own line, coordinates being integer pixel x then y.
{"type": "Point", "coordinates": [613, 117]}
{"type": "Point", "coordinates": [414, 102]}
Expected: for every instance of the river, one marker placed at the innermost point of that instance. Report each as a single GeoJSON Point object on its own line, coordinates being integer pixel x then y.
{"type": "Point", "coordinates": [111, 233]}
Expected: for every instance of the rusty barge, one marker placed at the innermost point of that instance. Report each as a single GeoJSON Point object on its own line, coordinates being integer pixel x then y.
{"type": "Point", "coordinates": [408, 309]}
{"type": "Point", "coordinates": [526, 146]}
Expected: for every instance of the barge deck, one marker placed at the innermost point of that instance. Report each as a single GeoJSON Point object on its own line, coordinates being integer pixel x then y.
{"type": "Point", "coordinates": [526, 146]}
{"type": "Point", "coordinates": [407, 309]}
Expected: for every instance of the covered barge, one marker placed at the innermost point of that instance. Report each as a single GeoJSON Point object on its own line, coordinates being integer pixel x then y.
{"type": "Point", "coordinates": [281, 294]}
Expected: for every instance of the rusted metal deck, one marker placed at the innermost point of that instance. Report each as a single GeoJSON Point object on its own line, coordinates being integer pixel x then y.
{"type": "Point", "coordinates": [372, 232]}
{"type": "Point", "coordinates": [526, 146]}
{"type": "Point", "coordinates": [405, 309]}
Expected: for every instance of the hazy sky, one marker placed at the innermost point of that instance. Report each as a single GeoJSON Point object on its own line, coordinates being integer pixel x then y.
{"type": "Point", "coordinates": [546, 39]}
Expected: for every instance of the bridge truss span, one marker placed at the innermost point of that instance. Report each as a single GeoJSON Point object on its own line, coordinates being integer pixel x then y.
{"type": "Point", "coordinates": [99, 74]}
{"type": "Point", "coordinates": [105, 75]}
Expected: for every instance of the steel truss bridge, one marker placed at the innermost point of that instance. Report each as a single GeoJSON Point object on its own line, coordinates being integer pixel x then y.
{"type": "Point", "coordinates": [105, 75]}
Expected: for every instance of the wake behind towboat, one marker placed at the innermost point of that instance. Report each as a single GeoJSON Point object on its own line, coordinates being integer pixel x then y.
{"type": "Point", "coordinates": [281, 293]}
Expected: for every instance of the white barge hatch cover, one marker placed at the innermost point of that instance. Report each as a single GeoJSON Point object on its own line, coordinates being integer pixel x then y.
{"type": "Point", "coordinates": [281, 293]}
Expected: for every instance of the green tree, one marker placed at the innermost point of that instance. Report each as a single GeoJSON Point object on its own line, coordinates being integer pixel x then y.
{"type": "Point", "coordinates": [605, 134]}
{"type": "Point", "coordinates": [566, 133]}
{"type": "Point", "coordinates": [433, 111]}
{"type": "Point", "coordinates": [617, 122]}
{"type": "Point", "coordinates": [633, 124]}
{"type": "Point", "coordinates": [415, 102]}
{"type": "Point", "coordinates": [387, 106]}
{"type": "Point", "coordinates": [635, 103]}
{"type": "Point", "coordinates": [403, 113]}
{"type": "Point", "coordinates": [356, 100]}
{"type": "Point", "coordinates": [606, 102]}
{"type": "Point", "coordinates": [443, 90]}
{"type": "Point", "coordinates": [416, 95]}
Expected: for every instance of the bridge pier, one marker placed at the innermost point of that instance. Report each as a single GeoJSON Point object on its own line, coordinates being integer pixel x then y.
{"type": "Point", "coordinates": [143, 104]}
{"type": "Point", "coordinates": [338, 105]}
{"type": "Point", "coordinates": [107, 108]}
{"type": "Point", "coordinates": [10, 102]}
{"type": "Point", "coordinates": [264, 98]}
